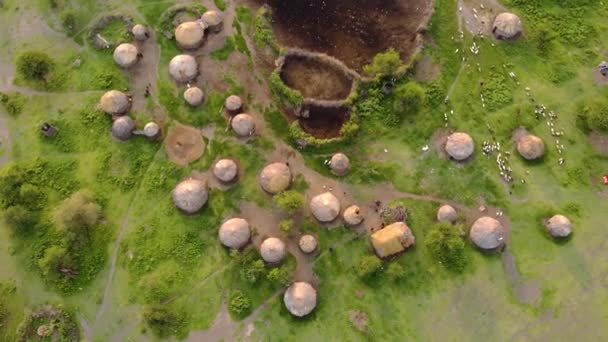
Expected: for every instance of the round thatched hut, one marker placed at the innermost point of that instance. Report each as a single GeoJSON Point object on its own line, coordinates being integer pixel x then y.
{"type": "Point", "coordinates": [183, 68]}
{"type": "Point", "coordinates": [194, 96]}
{"type": "Point", "coordinates": [459, 146]}
{"type": "Point", "coordinates": [300, 299]}
{"type": "Point", "coordinates": [233, 104]}
{"type": "Point", "coordinates": [487, 233]}
{"type": "Point", "coordinates": [122, 128]}
{"type": "Point", "coordinates": [152, 130]}
{"type": "Point", "coordinates": [243, 125]}
{"type": "Point", "coordinates": [273, 250]}
{"type": "Point", "coordinates": [339, 164]}
{"type": "Point", "coordinates": [189, 35]}
{"type": "Point", "coordinates": [352, 215]}
{"type": "Point", "coordinates": [225, 170]}
{"type": "Point", "coordinates": [325, 207]}
{"type": "Point", "coordinates": [559, 226]}
{"type": "Point", "coordinates": [531, 147]}
{"type": "Point", "coordinates": [507, 26]}
{"type": "Point", "coordinates": [235, 233]}
{"type": "Point", "coordinates": [275, 177]}
{"type": "Point", "coordinates": [140, 32]}
{"type": "Point", "coordinates": [447, 213]}
{"type": "Point", "coordinates": [190, 195]}
{"type": "Point", "coordinates": [213, 21]}
{"type": "Point", "coordinates": [115, 102]}
{"type": "Point", "coordinates": [125, 55]}
{"type": "Point", "coordinates": [308, 243]}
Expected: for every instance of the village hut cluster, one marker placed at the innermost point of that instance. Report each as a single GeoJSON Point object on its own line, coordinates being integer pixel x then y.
{"type": "Point", "coordinates": [117, 104]}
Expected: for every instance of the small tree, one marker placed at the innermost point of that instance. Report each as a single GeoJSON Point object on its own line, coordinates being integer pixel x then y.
{"type": "Point", "coordinates": [34, 65]}
{"type": "Point", "coordinates": [395, 271]}
{"type": "Point", "coordinates": [69, 22]}
{"type": "Point", "coordinates": [54, 259]}
{"type": "Point", "coordinates": [78, 214]}
{"type": "Point", "coordinates": [31, 196]}
{"type": "Point", "coordinates": [291, 201]}
{"type": "Point", "coordinates": [286, 225]}
{"type": "Point", "coordinates": [253, 271]}
{"type": "Point", "coordinates": [279, 275]}
{"type": "Point", "coordinates": [447, 246]}
{"type": "Point", "coordinates": [408, 99]}
{"type": "Point", "coordinates": [384, 64]}
{"type": "Point", "coordinates": [239, 304]}
{"type": "Point", "coordinates": [19, 218]}
{"type": "Point", "coordinates": [162, 320]}
{"type": "Point", "coordinates": [368, 266]}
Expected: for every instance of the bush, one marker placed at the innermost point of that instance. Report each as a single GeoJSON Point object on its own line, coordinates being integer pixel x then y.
{"type": "Point", "coordinates": [163, 320]}
{"type": "Point", "coordinates": [19, 218]}
{"type": "Point", "coordinates": [54, 259]}
{"type": "Point", "coordinates": [290, 201]}
{"type": "Point", "coordinates": [34, 65]}
{"type": "Point", "coordinates": [79, 212]}
{"type": "Point", "coordinates": [447, 246]}
{"type": "Point", "coordinates": [262, 30]}
{"type": "Point", "coordinates": [593, 116]}
{"type": "Point", "coordinates": [279, 275]}
{"type": "Point", "coordinates": [408, 99]}
{"type": "Point", "coordinates": [253, 271]}
{"type": "Point", "coordinates": [239, 304]}
{"type": "Point", "coordinates": [12, 102]}
{"type": "Point", "coordinates": [69, 22]}
{"type": "Point", "coordinates": [157, 286]}
{"type": "Point", "coordinates": [395, 271]}
{"type": "Point", "coordinates": [497, 91]}
{"type": "Point", "coordinates": [31, 196]}
{"type": "Point", "coordinates": [286, 225]}
{"type": "Point", "coordinates": [384, 64]}
{"type": "Point", "coordinates": [368, 266]}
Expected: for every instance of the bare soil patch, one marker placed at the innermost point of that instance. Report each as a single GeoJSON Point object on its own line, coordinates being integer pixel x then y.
{"type": "Point", "coordinates": [352, 31]}
{"type": "Point", "coordinates": [599, 142]}
{"type": "Point", "coordinates": [315, 79]}
{"type": "Point", "coordinates": [427, 70]}
{"type": "Point", "coordinates": [324, 122]}
{"type": "Point", "coordinates": [184, 144]}
{"type": "Point", "coordinates": [359, 319]}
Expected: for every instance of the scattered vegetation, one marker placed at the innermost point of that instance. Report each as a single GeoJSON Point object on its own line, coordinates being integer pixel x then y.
{"type": "Point", "coordinates": [445, 243]}
{"type": "Point", "coordinates": [12, 102]}
{"type": "Point", "coordinates": [368, 266]}
{"type": "Point", "coordinates": [262, 30]}
{"type": "Point", "coordinates": [239, 304]}
{"type": "Point", "coordinates": [35, 65]}
{"type": "Point", "coordinates": [385, 64]}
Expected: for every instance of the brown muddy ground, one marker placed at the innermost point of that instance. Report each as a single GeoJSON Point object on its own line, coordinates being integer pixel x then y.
{"type": "Point", "coordinates": [315, 79]}
{"type": "Point", "coordinates": [353, 31]}
{"type": "Point", "coordinates": [323, 122]}
{"type": "Point", "coordinates": [184, 144]}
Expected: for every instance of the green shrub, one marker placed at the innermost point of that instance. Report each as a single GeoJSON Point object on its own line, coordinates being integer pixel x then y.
{"type": "Point", "coordinates": [497, 91]}
{"type": "Point", "coordinates": [69, 22]}
{"type": "Point", "coordinates": [445, 244]}
{"type": "Point", "coordinates": [368, 266]}
{"type": "Point", "coordinates": [286, 225]}
{"type": "Point", "coordinates": [280, 276]}
{"type": "Point", "coordinates": [290, 201]}
{"type": "Point", "coordinates": [262, 30]}
{"type": "Point", "coordinates": [34, 65]}
{"type": "Point", "coordinates": [395, 271]}
{"type": "Point", "coordinates": [19, 218]}
{"type": "Point", "coordinates": [239, 304]}
{"type": "Point", "coordinates": [55, 258]}
{"type": "Point", "coordinates": [158, 285]}
{"type": "Point", "coordinates": [12, 102]}
{"type": "Point", "coordinates": [408, 99]}
{"type": "Point", "coordinates": [384, 64]}
{"type": "Point", "coordinates": [253, 271]}
{"type": "Point", "coordinates": [220, 4]}
{"type": "Point", "coordinates": [164, 320]}
{"type": "Point", "coordinates": [593, 116]}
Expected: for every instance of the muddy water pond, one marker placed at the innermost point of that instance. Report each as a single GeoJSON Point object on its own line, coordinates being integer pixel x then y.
{"type": "Point", "coordinates": [353, 31]}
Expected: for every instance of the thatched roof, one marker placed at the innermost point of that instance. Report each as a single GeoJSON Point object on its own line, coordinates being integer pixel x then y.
{"type": "Point", "coordinates": [273, 250]}
{"type": "Point", "coordinates": [122, 128]}
{"type": "Point", "coordinates": [139, 32]}
{"type": "Point", "coordinates": [352, 215]}
{"type": "Point", "coordinates": [531, 147]}
{"type": "Point", "coordinates": [243, 125]}
{"type": "Point", "coordinates": [459, 146]}
{"type": "Point", "coordinates": [233, 104]}
{"type": "Point", "coordinates": [507, 26]}
{"type": "Point", "coordinates": [125, 55]}
{"type": "Point", "coordinates": [487, 233]}
{"type": "Point", "coordinates": [325, 207]}
{"type": "Point", "coordinates": [194, 96]}
{"type": "Point", "coordinates": [190, 195]}
{"type": "Point", "coordinates": [151, 130]}
{"type": "Point", "coordinates": [339, 164]}
{"type": "Point", "coordinates": [212, 20]}
{"type": "Point", "coordinates": [235, 233]}
{"type": "Point", "coordinates": [300, 299]}
{"type": "Point", "coordinates": [183, 68]}
{"type": "Point", "coordinates": [559, 226]}
{"type": "Point", "coordinates": [275, 177]}
{"type": "Point", "coordinates": [308, 243]}
{"type": "Point", "coordinates": [189, 35]}
{"type": "Point", "coordinates": [225, 170]}
{"type": "Point", "coordinates": [447, 213]}
{"type": "Point", "coordinates": [115, 102]}
{"type": "Point", "coordinates": [392, 239]}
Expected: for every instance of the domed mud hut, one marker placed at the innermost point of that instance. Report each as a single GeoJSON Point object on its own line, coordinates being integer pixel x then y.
{"type": "Point", "coordinates": [152, 130]}
{"type": "Point", "coordinates": [233, 104]}
{"type": "Point", "coordinates": [140, 32]}
{"type": "Point", "coordinates": [507, 26]}
{"type": "Point", "coordinates": [531, 147]}
{"type": "Point", "coordinates": [183, 68]}
{"type": "Point", "coordinates": [559, 226]}
{"type": "Point", "coordinates": [194, 96]}
{"type": "Point", "coordinates": [275, 177]}
{"type": "Point", "coordinates": [392, 239]}
{"type": "Point", "coordinates": [235, 233]}
{"type": "Point", "coordinates": [213, 21]}
{"type": "Point", "coordinates": [339, 164]}
{"type": "Point", "coordinates": [225, 170]}
{"type": "Point", "coordinates": [122, 128]}
{"type": "Point", "coordinates": [459, 146]}
{"type": "Point", "coordinates": [487, 233]}
{"type": "Point", "coordinates": [115, 102]}
{"type": "Point", "coordinates": [325, 207]}
{"type": "Point", "coordinates": [352, 215]}
{"type": "Point", "coordinates": [243, 125]}
{"type": "Point", "coordinates": [447, 213]}
{"type": "Point", "coordinates": [189, 35]}
{"type": "Point", "coordinates": [190, 195]}
{"type": "Point", "coordinates": [273, 250]}
{"type": "Point", "coordinates": [300, 299]}
{"type": "Point", "coordinates": [125, 55]}
{"type": "Point", "coordinates": [308, 243]}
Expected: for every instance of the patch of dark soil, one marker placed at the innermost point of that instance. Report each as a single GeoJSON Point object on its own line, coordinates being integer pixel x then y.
{"type": "Point", "coordinates": [353, 31]}
{"type": "Point", "coordinates": [324, 122]}
{"type": "Point", "coordinates": [315, 79]}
